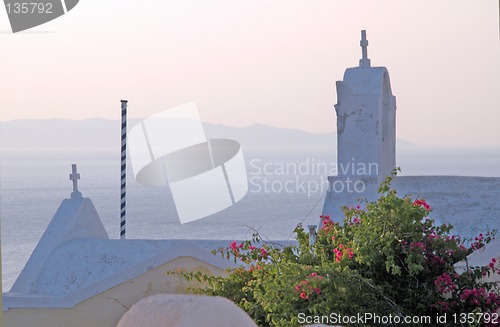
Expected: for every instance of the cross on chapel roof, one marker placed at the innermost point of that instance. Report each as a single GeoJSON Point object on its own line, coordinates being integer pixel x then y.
{"type": "Point", "coordinates": [364, 61]}
{"type": "Point", "coordinates": [74, 176]}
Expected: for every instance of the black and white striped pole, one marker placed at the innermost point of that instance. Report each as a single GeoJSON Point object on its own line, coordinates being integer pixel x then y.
{"type": "Point", "coordinates": [123, 197]}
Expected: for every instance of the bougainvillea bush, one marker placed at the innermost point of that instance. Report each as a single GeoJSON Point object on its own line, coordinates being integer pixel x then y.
{"type": "Point", "coordinates": [385, 260]}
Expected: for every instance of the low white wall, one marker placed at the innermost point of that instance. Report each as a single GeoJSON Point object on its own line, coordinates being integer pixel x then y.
{"type": "Point", "coordinates": [106, 308]}
{"type": "Point", "coordinates": [171, 310]}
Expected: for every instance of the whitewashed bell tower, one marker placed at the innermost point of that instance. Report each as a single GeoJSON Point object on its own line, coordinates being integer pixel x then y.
{"type": "Point", "coordinates": [366, 133]}
{"type": "Point", "coordinates": [366, 118]}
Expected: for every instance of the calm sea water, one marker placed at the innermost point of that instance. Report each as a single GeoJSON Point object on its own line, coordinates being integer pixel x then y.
{"type": "Point", "coordinates": [32, 185]}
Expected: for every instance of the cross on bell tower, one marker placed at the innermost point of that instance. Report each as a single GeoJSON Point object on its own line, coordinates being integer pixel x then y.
{"type": "Point", "coordinates": [74, 176]}
{"type": "Point", "coordinates": [364, 61]}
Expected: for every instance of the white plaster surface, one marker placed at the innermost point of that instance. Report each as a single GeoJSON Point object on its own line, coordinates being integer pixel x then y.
{"type": "Point", "coordinates": [106, 308]}
{"type": "Point", "coordinates": [75, 218]}
{"type": "Point", "coordinates": [75, 260]}
{"type": "Point", "coordinates": [82, 268]}
{"type": "Point", "coordinates": [81, 263]}
{"type": "Point", "coordinates": [366, 81]}
{"type": "Point", "coordinates": [366, 119]}
{"type": "Point", "coordinates": [457, 200]}
{"type": "Point", "coordinates": [483, 257]}
{"type": "Point", "coordinates": [169, 310]}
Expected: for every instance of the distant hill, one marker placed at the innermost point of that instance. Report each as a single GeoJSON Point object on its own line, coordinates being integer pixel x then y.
{"type": "Point", "coordinates": [98, 133]}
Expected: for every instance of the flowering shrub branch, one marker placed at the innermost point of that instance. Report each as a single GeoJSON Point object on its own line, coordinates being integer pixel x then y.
{"type": "Point", "coordinates": [388, 258]}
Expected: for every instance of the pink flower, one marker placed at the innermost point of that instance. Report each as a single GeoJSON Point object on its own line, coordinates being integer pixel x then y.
{"type": "Point", "coordinates": [492, 263]}
{"type": "Point", "coordinates": [422, 203]}
{"type": "Point", "coordinates": [445, 284]}
{"type": "Point", "coordinates": [263, 252]}
{"type": "Point", "coordinates": [233, 246]}
{"type": "Point", "coordinates": [303, 295]}
{"type": "Point", "coordinates": [418, 246]}
{"type": "Point", "coordinates": [338, 254]}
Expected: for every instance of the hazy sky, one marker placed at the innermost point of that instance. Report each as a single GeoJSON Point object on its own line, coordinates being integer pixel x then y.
{"type": "Point", "coordinates": [260, 61]}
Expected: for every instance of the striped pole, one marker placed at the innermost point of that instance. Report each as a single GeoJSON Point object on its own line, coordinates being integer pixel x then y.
{"type": "Point", "coordinates": [123, 197]}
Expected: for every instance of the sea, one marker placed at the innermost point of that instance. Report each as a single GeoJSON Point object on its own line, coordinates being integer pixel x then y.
{"type": "Point", "coordinates": [285, 188]}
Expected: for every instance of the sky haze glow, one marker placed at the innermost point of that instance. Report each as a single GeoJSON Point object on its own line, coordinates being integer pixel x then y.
{"type": "Point", "coordinates": [269, 62]}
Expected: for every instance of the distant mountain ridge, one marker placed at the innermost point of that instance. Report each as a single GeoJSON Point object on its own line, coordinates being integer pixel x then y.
{"type": "Point", "coordinates": [99, 133]}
